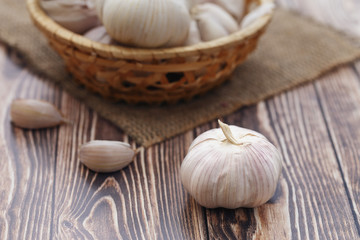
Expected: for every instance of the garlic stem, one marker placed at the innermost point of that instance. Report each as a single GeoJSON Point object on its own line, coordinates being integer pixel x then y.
{"type": "Point", "coordinates": [228, 134]}
{"type": "Point", "coordinates": [230, 137]}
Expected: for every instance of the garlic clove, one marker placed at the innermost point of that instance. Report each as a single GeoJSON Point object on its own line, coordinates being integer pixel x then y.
{"type": "Point", "coordinates": [194, 34]}
{"type": "Point", "coordinates": [190, 3]}
{"type": "Point", "coordinates": [75, 15]}
{"type": "Point", "coordinates": [231, 167]}
{"type": "Point", "coordinates": [234, 7]}
{"type": "Point", "coordinates": [106, 156]}
{"type": "Point", "coordinates": [99, 34]}
{"type": "Point", "coordinates": [258, 12]}
{"type": "Point", "coordinates": [34, 114]}
{"type": "Point", "coordinates": [213, 21]}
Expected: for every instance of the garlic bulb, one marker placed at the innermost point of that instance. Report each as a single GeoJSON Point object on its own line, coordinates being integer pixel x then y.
{"type": "Point", "coordinates": [143, 23]}
{"type": "Point", "coordinates": [76, 15]}
{"type": "Point", "coordinates": [106, 156]}
{"type": "Point", "coordinates": [213, 21]}
{"type": "Point", "coordinates": [258, 12]}
{"type": "Point", "coordinates": [231, 167]}
{"type": "Point", "coordinates": [33, 114]}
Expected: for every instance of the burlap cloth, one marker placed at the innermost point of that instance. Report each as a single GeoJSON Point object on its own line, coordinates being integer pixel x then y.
{"type": "Point", "coordinates": [294, 50]}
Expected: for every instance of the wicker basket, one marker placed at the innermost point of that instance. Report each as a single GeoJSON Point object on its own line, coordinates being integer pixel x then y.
{"type": "Point", "coordinates": [149, 75]}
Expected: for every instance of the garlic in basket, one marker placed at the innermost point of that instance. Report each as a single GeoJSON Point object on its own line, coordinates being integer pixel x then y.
{"type": "Point", "coordinates": [143, 23]}
{"type": "Point", "coordinates": [213, 21]}
{"type": "Point", "coordinates": [194, 36]}
{"type": "Point", "coordinates": [231, 167]}
{"type": "Point", "coordinates": [256, 13]}
{"type": "Point", "coordinates": [234, 7]}
{"type": "Point", "coordinates": [76, 15]}
{"type": "Point", "coordinates": [99, 34]}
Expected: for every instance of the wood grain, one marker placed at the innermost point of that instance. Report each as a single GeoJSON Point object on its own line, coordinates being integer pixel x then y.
{"type": "Point", "coordinates": [339, 95]}
{"type": "Point", "coordinates": [144, 201]}
{"type": "Point", "coordinates": [27, 159]}
{"type": "Point", "coordinates": [307, 201]}
{"type": "Point", "coordinates": [312, 168]}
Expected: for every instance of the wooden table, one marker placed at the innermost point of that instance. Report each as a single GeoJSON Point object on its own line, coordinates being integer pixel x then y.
{"type": "Point", "coordinates": [46, 193]}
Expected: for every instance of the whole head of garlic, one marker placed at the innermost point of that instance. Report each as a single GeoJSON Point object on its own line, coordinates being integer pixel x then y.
{"type": "Point", "coordinates": [231, 167]}
{"type": "Point", "coordinates": [75, 15]}
{"type": "Point", "coordinates": [143, 23]}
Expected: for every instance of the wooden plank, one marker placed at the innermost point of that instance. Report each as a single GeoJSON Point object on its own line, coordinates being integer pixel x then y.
{"type": "Point", "coordinates": [339, 95]}
{"type": "Point", "coordinates": [27, 161]}
{"type": "Point", "coordinates": [143, 201]}
{"type": "Point", "coordinates": [322, 209]}
{"type": "Point", "coordinates": [339, 14]}
{"type": "Point", "coordinates": [310, 202]}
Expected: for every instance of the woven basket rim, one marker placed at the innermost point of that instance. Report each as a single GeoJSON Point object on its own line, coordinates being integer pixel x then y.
{"type": "Point", "coordinates": [115, 51]}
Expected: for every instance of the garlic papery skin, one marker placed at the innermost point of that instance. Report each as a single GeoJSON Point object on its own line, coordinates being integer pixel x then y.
{"type": "Point", "coordinates": [34, 114]}
{"type": "Point", "coordinates": [99, 34]}
{"type": "Point", "coordinates": [231, 167]}
{"type": "Point", "coordinates": [213, 21]}
{"type": "Point", "coordinates": [143, 23]}
{"type": "Point", "coordinates": [106, 156]}
{"type": "Point", "coordinates": [234, 7]}
{"type": "Point", "coordinates": [258, 12]}
{"type": "Point", "coordinates": [194, 36]}
{"type": "Point", "coordinates": [75, 15]}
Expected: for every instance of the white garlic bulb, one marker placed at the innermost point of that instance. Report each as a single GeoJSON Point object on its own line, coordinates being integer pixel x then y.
{"type": "Point", "coordinates": [231, 167]}
{"type": "Point", "coordinates": [106, 156]}
{"type": "Point", "coordinates": [213, 21]}
{"type": "Point", "coordinates": [76, 15]}
{"type": "Point", "coordinates": [143, 23]}
{"type": "Point", "coordinates": [258, 12]}
{"type": "Point", "coordinates": [34, 114]}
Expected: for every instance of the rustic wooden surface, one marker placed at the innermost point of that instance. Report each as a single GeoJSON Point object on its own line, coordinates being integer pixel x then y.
{"type": "Point", "coordinates": [45, 193]}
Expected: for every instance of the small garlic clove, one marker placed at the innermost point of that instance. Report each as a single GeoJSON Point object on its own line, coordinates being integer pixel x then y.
{"type": "Point", "coordinates": [213, 21]}
{"type": "Point", "coordinates": [34, 114]}
{"type": "Point", "coordinates": [194, 34]}
{"type": "Point", "coordinates": [75, 15]}
{"type": "Point", "coordinates": [106, 156]}
{"type": "Point", "coordinates": [234, 7]}
{"type": "Point", "coordinates": [258, 12]}
{"type": "Point", "coordinates": [99, 34]}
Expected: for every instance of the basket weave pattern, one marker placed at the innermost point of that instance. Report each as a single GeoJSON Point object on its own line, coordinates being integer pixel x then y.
{"type": "Point", "coordinates": [146, 75]}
